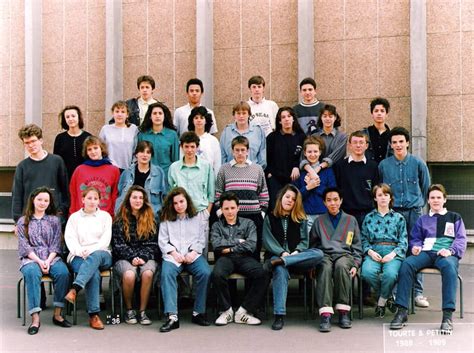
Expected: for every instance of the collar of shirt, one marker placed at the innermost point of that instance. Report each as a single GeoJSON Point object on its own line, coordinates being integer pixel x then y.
{"type": "Point", "coordinates": [350, 159]}
{"type": "Point", "coordinates": [233, 162]}
{"type": "Point", "coordinates": [250, 128]}
{"type": "Point", "coordinates": [441, 213]}
{"type": "Point", "coordinates": [144, 102]}
{"type": "Point", "coordinates": [224, 222]}
{"type": "Point", "coordinates": [333, 132]}
{"type": "Point", "coordinates": [404, 161]}
{"type": "Point", "coordinates": [197, 164]}
{"type": "Point", "coordinates": [251, 101]}
{"type": "Point", "coordinates": [335, 219]}
{"type": "Point", "coordinates": [84, 214]}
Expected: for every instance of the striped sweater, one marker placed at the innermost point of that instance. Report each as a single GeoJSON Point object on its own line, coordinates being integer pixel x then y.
{"type": "Point", "coordinates": [247, 182]}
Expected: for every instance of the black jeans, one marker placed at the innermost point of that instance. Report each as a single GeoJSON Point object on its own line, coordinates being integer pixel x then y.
{"type": "Point", "coordinates": [247, 266]}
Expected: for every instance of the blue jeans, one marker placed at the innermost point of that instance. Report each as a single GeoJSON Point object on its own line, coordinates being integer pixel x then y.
{"type": "Point", "coordinates": [88, 276]}
{"type": "Point", "coordinates": [201, 273]}
{"type": "Point", "coordinates": [382, 277]}
{"type": "Point", "coordinates": [411, 216]}
{"type": "Point", "coordinates": [448, 267]}
{"type": "Point", "coordinates": [301, 262]}
{"type": "Point", "coordinates": [32, 276]}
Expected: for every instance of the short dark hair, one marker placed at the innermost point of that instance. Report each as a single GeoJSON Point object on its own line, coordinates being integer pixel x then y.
{"type": "Point", "coordinates": [201, 110]}
{"type": "Point", "coordinates": [308, 81]}
{"type": "Point", "coordinates": [379, 101]}
{"type": "Point", "coordinates": [240, 140]}
{"type": "Point", "coordinates": [29, 131]}
{"type": "Point", "coordinates": [437, 187]}
{"type": "Point", "coordinates": [295, 127]}
{"type": "Point", "coordinates": [62, 117]}
{"type": "Point", "coordinates": [194, 81]}
{"type": "Point", "coordinates": [256, 80]}
{"type": "Point", "coordinates": [228, 196]}
{"type": "Point", "coordinates": [333, 111]}
{"type": "Point", "coordinates": [144, 145]}
{"type": "Point", "coordinates": [146, 78]}
{"type": "Point", "coordinates": [398, 130]}
{"type": "Point", "coordinates": [189, 137]}
{"type": "Point", "coordinates": [332, 189]}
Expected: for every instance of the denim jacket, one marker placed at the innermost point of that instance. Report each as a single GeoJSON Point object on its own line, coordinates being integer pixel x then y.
{"type": "Point", "coordinates": [155, 185]}
{"type": "Point", "coordinates": [409, 180]}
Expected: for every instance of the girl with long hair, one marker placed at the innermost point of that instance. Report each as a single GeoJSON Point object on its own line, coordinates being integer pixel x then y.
{"type": "Point", "coordinates": [134, 246]}
{"type": "Point", "coordinates": [182, 240]}
{"type": "Point", "coordinates": [158, 128]}
{"type": "Point", "coordinates": [39, 249]}
{"type": "Point", "coordinates": [286, 239]}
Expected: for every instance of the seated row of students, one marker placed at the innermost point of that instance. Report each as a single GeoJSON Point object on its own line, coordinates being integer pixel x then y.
{"type": "Point", "coordinates": [333, 247]}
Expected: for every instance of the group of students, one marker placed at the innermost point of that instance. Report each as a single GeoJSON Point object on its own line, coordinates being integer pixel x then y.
{"type": "Point", "coordinates": [151, 192]}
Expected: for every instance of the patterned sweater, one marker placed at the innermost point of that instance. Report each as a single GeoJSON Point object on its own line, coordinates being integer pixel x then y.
{"type": "Point", "coordinates": [247, 182]}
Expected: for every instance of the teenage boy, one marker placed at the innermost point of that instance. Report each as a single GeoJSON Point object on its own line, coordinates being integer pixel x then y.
{"type": "Point", "coordinates": [247, 180]}
{"type": "Point", "coordinates": [193, 173]}
{"type": "Point", "coordinates": [40, 168]}
{"type": "Point", "coordinates": [378, 133]}
{"type": "Point", "coordinates": [409, 178]}
{"type": "Point", "coordinates": [337, 234]}
{"type": "Point", "coordinates": [356, 176]}
{"type": "Point", "coordinates": [263, 111]}
{"type": "Point", "coordinates": [194, 93]}
{"type": "Point", "coordinates": [137, 107]}
{"type": "Point", "coordinates": [309, 109]}
{"type": "Point", "coordinates": [234, 240]}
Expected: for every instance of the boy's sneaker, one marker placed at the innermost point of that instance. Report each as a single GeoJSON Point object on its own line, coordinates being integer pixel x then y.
{"type": "Point", "coordinates": [144, 319]}
{"type": "Point", "coordinates": [131, 317]}
{"type": "Point", "coordinates": [421, 301]}
{"type": "Point", "coordinates": [225, 317]}
{"type": "Point", "coordinates": [391, 304]}
{"type": "Point", "coordinates": [325, 323]}
{"type": "Point", "coordinates": [244, 317]}
{"type": "Point", "coordinates": [380, 311]}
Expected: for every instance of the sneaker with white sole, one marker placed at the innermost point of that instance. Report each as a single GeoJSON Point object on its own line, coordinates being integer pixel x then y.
{"type": "Point", "coordinates": [143, 318]}
{"type": "Point", "coordinates": [225, 317]}
{"type": "Point", "coordinates": [421, 301]}
{"type": "Point", "coordinates": [131, 317]}
{"type": "Point", "coordinates": [244, 317]}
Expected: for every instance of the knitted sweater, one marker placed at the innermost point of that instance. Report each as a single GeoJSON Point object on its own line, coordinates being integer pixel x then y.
{"type": "Point", "coordinates": [248, 183]}
{"type": "Point", "coordinates": [341, 241]}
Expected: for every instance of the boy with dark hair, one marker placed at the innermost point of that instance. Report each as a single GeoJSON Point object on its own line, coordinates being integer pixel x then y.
{"type": "Point", "coordinates": [234, 240]}
{"type": "Point", "coordinates": [193, 173]}
{"type": "Point", "coordinates": [409, 178]}
{"type": "Point", "coordinates": [309, 109]}
{"type": "Point", "coordinates": [264, 111]}
{"type": "Point", "coordinates": [194, 93]}
{"type": "Point", "coordinates": [337, 234]}
{"type": "Point", "coordinates": [137, 107]}
{"type": "Point", "coordinates": [40, 168]}
{"type": "Point", "coordinates": [378, 133]}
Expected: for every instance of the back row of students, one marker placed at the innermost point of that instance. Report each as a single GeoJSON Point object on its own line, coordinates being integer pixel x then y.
{"type": "Point", "coordinates": [244, 155]}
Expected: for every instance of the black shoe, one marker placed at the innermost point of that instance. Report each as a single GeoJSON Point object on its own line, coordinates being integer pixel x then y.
{"type": "Point", "coordinates": [63, 323]}
{"type": "Point", "coordinates": [380, 312]}
{"type": "Point", "coordinates": [344, 320]}
{"type": "Point", "coordinates": [446, 326]}
{"type": "Point", "coordinates": [391, 305]}
{"type": "Point", "coordinates": [325, 324]}
{"type": "Point", "coordinates": [33, 330]}
{"type": "Point", "coordinates": [201, 320]}
{"type": "Point", "coordinates": [169, 325]}
{"type": "Point", "coordinates": [278, 323]}
{"type": "Point", "coordinates": [401, 317]}
{"type": "Point", "coordinates": [43, 297]}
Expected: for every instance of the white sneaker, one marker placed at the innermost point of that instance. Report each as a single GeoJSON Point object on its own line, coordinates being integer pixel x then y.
{"type": "Point", "coordinates": [422, 301]}
{"type": "Point", "coordinates": [244, 317]}
{"type": "Point", "coordinates": [225, 317]}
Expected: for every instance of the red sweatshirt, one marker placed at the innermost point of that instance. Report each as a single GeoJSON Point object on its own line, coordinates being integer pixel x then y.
{"type": "Point", "coordinates": [105, 178]}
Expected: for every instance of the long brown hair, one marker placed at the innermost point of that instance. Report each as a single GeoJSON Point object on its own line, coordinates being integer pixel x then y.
{"type": "Point", "coordinates": [297, 214]}
{"type": "Point", "coordinates": [30, 207]}
{"type": "Point", "coordinates": [168, 213]}
{"type": "Point", "coordinates": [146, 225]}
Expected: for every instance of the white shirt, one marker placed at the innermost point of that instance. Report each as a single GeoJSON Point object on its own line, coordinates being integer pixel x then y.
{"type": "Point", "coordinates": [264, 114]}
{"type": "Point", "coordinates": [143, 105]}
